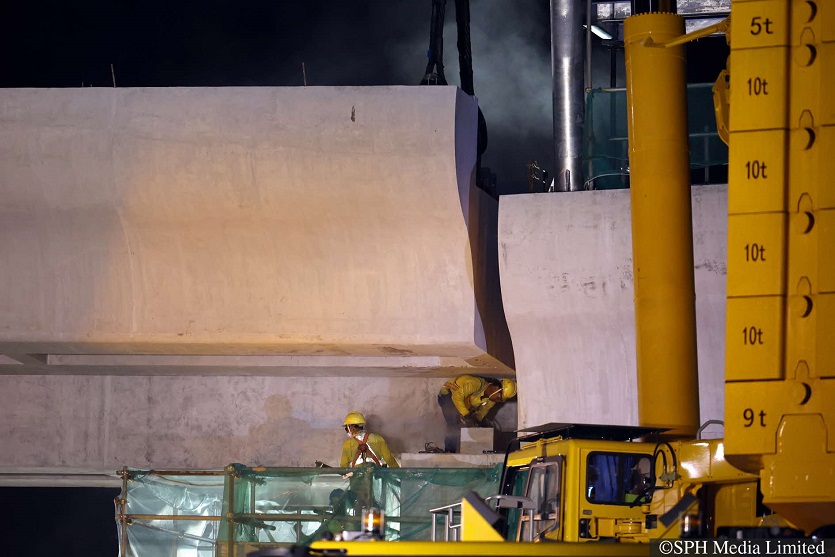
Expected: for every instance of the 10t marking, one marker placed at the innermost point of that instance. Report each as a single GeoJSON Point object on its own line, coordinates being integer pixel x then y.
{"type": "Point", "coordinates": [754, 252]}
{"type": "Point", "coordinates": [755, 170]}
{"type": "Point", "coordinates": [757, 86]}
{"type": "Point", "coordinates": [752, 336]}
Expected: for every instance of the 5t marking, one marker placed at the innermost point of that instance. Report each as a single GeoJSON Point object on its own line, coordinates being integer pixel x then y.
{"type": "Point", "coordinates": [761, 25]}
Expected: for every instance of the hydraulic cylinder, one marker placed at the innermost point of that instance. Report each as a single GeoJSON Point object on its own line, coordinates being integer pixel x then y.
{"type": "Point", "coordinates": [662, 231]}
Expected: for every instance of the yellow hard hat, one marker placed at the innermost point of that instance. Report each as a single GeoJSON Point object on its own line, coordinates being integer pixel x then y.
{"type": "Point", "coordinates": [508, 389]}
{"type": "Point", "coordinates": [355, 418]}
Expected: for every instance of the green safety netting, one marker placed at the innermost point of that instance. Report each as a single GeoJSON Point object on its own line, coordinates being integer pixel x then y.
{"type": "Point", "coordinates": [606, 151]}
{"type": "Point", "coordinates": [182, 514]}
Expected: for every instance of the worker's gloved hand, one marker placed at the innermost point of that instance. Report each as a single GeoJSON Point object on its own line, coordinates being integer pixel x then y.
{"type": "Point", "coordinates": [469, 421]}
{"type": "Point", "coordinates": [487, 422]}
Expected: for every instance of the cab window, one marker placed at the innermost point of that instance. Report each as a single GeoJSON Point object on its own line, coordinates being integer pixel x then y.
{"type": "Point", "coordinates": [618, 478]}
{"type": "Point", "coordinates": [544, 488]}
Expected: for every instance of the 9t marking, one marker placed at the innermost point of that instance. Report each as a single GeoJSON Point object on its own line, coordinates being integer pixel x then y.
{"type": "Point", "coordinates": [748, 415]}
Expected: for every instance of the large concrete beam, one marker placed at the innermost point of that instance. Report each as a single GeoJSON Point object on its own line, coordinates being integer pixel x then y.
{"type": "Point", "coordinates": [567, 283]}
{"type": "Point", "coordinates": [295, 231]}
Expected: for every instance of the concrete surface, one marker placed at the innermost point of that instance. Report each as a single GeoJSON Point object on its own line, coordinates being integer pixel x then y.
{"type": "Point", "coordinates": [297, 231]}
{"type": "Point", "coordinates": [91, 424]}
{"type": "Point", "coordinates": [450, 460]}
{"type": "Point", "coordinates": [476, 440]}
{"type": "Point", "coordinates": [566, 272]}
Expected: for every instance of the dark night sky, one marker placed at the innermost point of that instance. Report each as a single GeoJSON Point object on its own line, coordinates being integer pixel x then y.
{"type": "Point", "coordinates": [154, 43]}
{"type": "Point", "coordinates": [170, 43]}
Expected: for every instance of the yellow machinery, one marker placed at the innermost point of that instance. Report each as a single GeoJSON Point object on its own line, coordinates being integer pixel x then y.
{"type": "Point", "coordinates": [780, 366]}
{"type": "Point", "coordinates": [775, 111]}
{"type": "Point", "coordinates": [591, 483]}
{"type": "Point", "coordinates": [662, 233]}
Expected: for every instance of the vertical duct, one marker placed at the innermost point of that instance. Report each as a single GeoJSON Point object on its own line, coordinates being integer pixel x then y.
{"type": "Point", "coordinates": [567, 68]}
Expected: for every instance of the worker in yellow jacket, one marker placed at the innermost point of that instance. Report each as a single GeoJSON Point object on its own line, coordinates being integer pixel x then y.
{"type": "Point", "coordinates": [467, 399]}
{"type": "Point", "coordinates": [363, 448]}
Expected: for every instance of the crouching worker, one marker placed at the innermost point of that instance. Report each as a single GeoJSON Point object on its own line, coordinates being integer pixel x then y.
{"type": "Point", "coordinates": [363, 448]}
{"type": "Point", "coordinates": [341, 517]}
{"type": "Point", "coordinates": [465, 402]}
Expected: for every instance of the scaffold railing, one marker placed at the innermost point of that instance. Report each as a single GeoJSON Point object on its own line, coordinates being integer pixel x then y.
{"type": "Point", "coordinates": [231, 512]}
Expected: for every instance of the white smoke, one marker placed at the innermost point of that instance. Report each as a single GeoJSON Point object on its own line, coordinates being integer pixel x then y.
{"type": "Point", "coordinates": [511, 79]}
{"type": "Point", "coordinates": [511, 59]}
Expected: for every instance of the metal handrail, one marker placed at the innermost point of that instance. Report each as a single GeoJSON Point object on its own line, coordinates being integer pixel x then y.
{"type": "Point", "coordinates": [450, 528]}
{"type": "Point", "coordinates": [516, 502]}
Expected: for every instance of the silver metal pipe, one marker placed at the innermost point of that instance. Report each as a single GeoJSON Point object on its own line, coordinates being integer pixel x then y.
{"type": "Point", "coordinates": [567, 68]}
{"type": "Point", "coordinates": [587, 55]}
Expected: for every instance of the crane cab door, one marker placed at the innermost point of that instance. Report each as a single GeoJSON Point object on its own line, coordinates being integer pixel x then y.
{"type": "Point", "coordinates": [544, 487]}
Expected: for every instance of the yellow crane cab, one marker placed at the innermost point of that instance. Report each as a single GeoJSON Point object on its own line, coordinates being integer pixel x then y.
{"type": "Point", "coordinates": [583, 483]}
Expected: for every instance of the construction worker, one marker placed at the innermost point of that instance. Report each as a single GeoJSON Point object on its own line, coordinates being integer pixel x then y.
{"type": "Point", "coordinates": [341, 517]}
{"type": "Point", "coordinates": [466, 400]}
{"type": "Point", "coordinates": [363, 448]}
